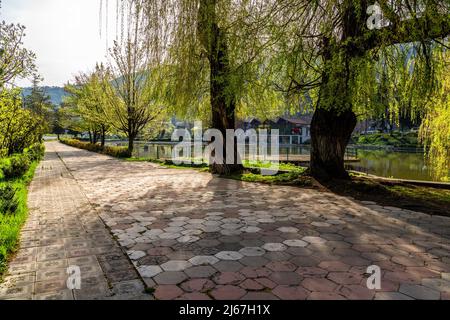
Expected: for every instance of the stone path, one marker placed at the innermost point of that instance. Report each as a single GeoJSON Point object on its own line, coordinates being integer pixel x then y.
{"type": "Point", "coordinates": [194, 236]}
{"type": "Point", "coordinates": [63, 230]}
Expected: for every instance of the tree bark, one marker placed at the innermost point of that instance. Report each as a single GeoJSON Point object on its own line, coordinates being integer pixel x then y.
{"type": "Point", "coordinates": [330, 134]}
{"type": "Point", "coordinates": [334, 120]}
{"type": "Point", "coordinates": [103, 136]}
{"type": "Point", "coordinates": [131, 138]}
{"type": "Point", "coordinates": [223, 99]}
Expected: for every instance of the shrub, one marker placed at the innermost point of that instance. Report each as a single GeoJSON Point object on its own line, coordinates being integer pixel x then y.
{"type": "Point", "coordinates": [35, 152]}
{"type": "Point", "coordinates": [8, 200]}
{"type": "Point", "coordinates": [117, 152]}
{"type": "Point", "coordinates": [14, 166]}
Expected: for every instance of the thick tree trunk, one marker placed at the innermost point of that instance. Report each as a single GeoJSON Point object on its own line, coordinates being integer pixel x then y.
{"type": "Point", "coordinates": [334, 120]}
{"type": "Point", "coordinates": [223, 99]}
{"type": "Point", "coordinates": [330, 134]}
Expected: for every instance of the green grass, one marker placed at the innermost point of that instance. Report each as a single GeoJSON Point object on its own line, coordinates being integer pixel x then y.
{"type": "Point", "coordinates": [290, 178]}
{"type": "Point", "coordinates": [422, 193]}
{"type": "Point", "coordinates": [10, 224]}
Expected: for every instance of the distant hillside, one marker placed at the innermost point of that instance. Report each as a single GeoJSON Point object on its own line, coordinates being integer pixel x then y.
{"type": "Point", "coordinates": [56, 93]}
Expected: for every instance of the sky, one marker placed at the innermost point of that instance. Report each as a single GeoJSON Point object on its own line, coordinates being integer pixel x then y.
{"type": "Point", "coordinates": [64, 34]}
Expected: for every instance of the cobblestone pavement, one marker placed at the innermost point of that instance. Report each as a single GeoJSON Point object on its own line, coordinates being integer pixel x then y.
{"type": "Point", "coordinates": [194, 236]}
{"type": "Point", "coordinates": [64, 230]}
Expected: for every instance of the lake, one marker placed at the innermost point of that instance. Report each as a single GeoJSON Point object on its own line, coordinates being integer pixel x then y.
{"type": "Point", "coordinates": [408, 165]}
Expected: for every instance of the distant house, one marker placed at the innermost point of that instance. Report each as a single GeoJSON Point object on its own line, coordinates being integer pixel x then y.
{"type": "Point", "coordinates": [292, 130]}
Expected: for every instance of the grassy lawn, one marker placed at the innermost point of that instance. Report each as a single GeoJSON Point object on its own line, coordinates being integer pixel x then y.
{"type": "Point", "coordinates": [11, 223]}
{"type": "Point", "coordinates": [435, 201]}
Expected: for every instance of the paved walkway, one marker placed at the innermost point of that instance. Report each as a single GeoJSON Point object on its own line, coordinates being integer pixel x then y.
{"type": "Point", "coordinates": [63, 230]}
{"type": "Point", "coordinates": [194, 236]}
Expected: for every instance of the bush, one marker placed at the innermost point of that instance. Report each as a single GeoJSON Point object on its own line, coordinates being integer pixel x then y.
{"type": "Point", "coordinates": [14, 166]}
{"type": "Point", "coordinates": [117, 152]}
{"type": "Point", "coordinates": [35, 152]}
{"type": "Point", "coordinates": [8, 200]}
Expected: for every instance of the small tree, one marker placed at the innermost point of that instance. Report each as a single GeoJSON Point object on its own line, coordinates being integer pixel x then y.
{"type": "Point", "coordinates": [134, 102]}
{"type": "Point", "coordinates": [15, 61]}
{"type": "Point", "coordinates": [88, 104]}
{"type": "Point", "coordinates": [19, 127]}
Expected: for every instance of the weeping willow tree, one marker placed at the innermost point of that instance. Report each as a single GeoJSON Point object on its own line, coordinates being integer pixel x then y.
{"type": "Point", "coordinates": [210, 50]}
{"type": "Point", "coordinates": [341, 52]}
{"type": "Point", "coordinates": [435, 129]}
{"type": "Point", "coordinates": [231, 55]}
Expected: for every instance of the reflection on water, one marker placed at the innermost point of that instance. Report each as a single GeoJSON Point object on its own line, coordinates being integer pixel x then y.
{"type": "Point", "coordinates": [384, 163]}
{"type": "Point", "coordinates": [391, 164]}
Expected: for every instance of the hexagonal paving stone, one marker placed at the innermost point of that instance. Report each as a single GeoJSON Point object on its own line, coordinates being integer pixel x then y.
{"type": "Point", "coordinates": [203, 260]}
{"type": "Point", "coordinates": [290, 293]}
{"type": "Point", "coordinates": [197, 285]}
{"type": "Point", "coordinates": [188, 239]}
{"type": "Point", "coordinates": [135, 255]}
{"type": "Point", "coordinates": [252, 251]}
{"type": "Point", "coordinates": [419, 292]}
{"type": "Point", "coordinates": [229, 255]}
{"type": "Point", "coordinates": [254, 261]}
{"type": "Point", "coordinates": [228, 278]}
{"type": "Point", "coordinates": [314, 240]}
{"type": "Point", "coordinates": [318, 285]}
{"type": "Point", "coordinates": [251, 229]}
{"type": "Point", "coordinates": [149, 271]}
{"type": "Point", "coordinates": [175, 265]}
{"type": "Point", "coordinates": [192, 232]}
{"type": "Point", "coordinates": [168, 235]}
{"type": "Point", "coordinates": [334, 266]}
{"type": "Point", "coordinates": [320, 224]}
{"type": "Point", "coordinates": [274, 247]}
{"type": "Point", "coordinates": [286, 278]}
{"type": "Point", "coordinates": [288, 230]}
{"type": "Point", "coordinates": [170, 277]}
{"type": "Point", "coordinates": [295, 243]}
{"type": "Point", "coordinates": [281, 266]}
{"type": "Point", "coordinates": [345, 277]}
{"type": "Point", "coordinates": [228, 293]}
{"type": "Point", "coordinates": [232, 266]}
{"type": "Point", "coordinates": [167, 292]}
{"type": "Point", "coordinates": [200, 272]}
{"type": "Point", "coordinates": [437, 284]}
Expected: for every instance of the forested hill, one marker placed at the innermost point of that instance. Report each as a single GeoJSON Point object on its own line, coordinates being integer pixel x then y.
{"type": "Point", "coordinates": [56, 93]}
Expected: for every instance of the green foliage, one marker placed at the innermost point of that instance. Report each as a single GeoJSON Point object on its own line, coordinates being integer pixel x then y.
{"type": "Point", "coordinates": [117, 152]}
{"type": "Point", "coordinates": [8, 200]}
{"type": "Point", "coordinates": [290, 178]}
{"type": "Point", "coordinates": [14, 166]}
{"type": "Point", "coordinates": [15, 61]}
{"type": "Point", "coordinates": [435, 129]}
{"type": "Point", "coordinates": [35, 151]}
{"type": "Point", "coordinates": [19, 127]}
{"type": "Point", "coordinates": [13, 213]}
{"type": "Point", "coordinates": [395, 139]}
{"type": "Point", "coordinates": [17, 165]}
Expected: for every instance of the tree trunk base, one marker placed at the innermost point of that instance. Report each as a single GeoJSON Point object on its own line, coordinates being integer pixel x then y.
{"type": "Point", "coordinates": [330, 132]}
{"type": "Point", "coordinates": [226, 169]}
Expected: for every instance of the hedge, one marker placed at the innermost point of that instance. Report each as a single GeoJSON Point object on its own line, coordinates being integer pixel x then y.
{"type": "Point", "coordinates": [117, 152]}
